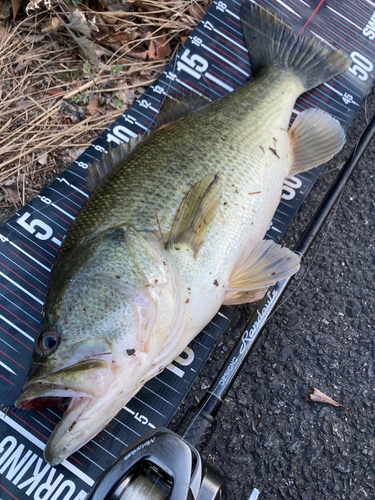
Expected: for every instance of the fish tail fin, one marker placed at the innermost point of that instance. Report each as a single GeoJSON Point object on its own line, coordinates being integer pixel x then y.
{"type": "Point", "coordinates": [271, 42]}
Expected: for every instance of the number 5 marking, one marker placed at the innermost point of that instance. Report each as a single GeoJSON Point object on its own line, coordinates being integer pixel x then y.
{"type": "Point", "coordinates": [34, 225]}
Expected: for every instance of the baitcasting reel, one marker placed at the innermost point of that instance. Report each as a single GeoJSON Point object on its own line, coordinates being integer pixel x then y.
{"type": "Point", "coordinates": [159, 466]}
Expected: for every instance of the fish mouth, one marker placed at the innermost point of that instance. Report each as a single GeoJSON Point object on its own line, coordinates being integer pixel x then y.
{"type": "Point", "coordinates": [86, 379]}
{"type": "Point", "coordinates": [41, 396]}
{"type": "Point", "coordinates": [78, 386]}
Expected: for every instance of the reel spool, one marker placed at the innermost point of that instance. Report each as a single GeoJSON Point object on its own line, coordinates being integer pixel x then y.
{"type": "Point", "coordinates": [159, 466]}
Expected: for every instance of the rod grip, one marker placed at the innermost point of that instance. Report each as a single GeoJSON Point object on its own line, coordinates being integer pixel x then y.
{"type": "Point", "coordinates": [196, 427]}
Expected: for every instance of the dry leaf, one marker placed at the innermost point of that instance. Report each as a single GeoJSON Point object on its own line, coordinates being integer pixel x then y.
{"type": "Point", "coordinates": [71, 111]}
{"type": "Point", "coordinates": [4, 9]}
{"type": "Point", "coordinates": [9, 182]}
{"type": "Point", "coordinates": [21, 103]}
{"type": "Point", "coordinates": [43, 159]}
{"type": "Point", "coordinates": [127, 96]}
{"type": "Point", "coordinates": [123, 37]}
{"type": "Point", "coordinates": [151, 51]}
{"type": "Point", "coordinates": [16, 4]}
{"type": "Point", "coordinates": [53, 25]}
{"type": "Point", "coordinates": [23, 64]}
{"type": "Point", "coordinates": [4, 35]}
{"type": "Point", "coordinates": [34, 38]}
{"type": "Point", "coordinates": [319, 397]}
{"type": "Point", "coordinates": [54, 91]}
{"type": "Point", "coordinates": [162, 48]}
{"type": "Point", "coordinates": [118, 7]}
{"type": "Point", "coordinates": [140, 4]}
{"type": "Point", "coordinates": [196, 12]}
{"type": "Point", "coordinates": [131, 69]}
{"type": "Point", "coordinates": [138, 55]}
{"type": "Point", "coordinates": [38, 4]}
{"type": "Point", "coordinates": [11, 196]}
{"type": "Point", "coordinates": [93, 105]}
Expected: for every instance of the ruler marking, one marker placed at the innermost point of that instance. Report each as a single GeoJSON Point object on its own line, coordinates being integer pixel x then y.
{"type": "Point", "coordinates": [30, 257]}
{"type": "Point", "coordinates": [225, 60]}
{"type": "Point", "coordinates": [16, 328]}
{"type": "Point", "coordinates": [23, 269]}
{"type": "Point", "coordinates": [219, 82]}
{"type": "Point", "coordinates": [33, 242]}
{"type": "Point", "coordinates": [62, 210]}
{"type": "Point", "coordinates": [7, 368]}
{"type": "Point", "coordinates": [21, 288]}
{"type": "Point", "coordinates": [20, 308]}
{"type": "Point", "coordinates": [151, 407]}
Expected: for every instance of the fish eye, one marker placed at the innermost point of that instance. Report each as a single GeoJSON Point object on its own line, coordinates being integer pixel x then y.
{"type": "Point", "coordinates": [48, 341]}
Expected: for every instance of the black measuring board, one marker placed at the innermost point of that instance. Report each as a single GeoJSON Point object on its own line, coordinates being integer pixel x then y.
{"type": "Point", "coordinates": [212, 62]}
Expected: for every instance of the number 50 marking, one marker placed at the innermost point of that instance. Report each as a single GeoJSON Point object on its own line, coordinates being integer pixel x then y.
{"type": "Point", "coordinates": [361, 67]}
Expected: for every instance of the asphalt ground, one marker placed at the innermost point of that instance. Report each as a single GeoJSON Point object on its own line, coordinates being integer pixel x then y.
{"type": "Point", "coordinates": [267, 435]}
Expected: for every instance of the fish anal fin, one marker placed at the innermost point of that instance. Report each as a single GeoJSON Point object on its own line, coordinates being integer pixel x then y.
{"type": "Point", "coordinates": [174, 108]}
{"type": "Point", "coordinates": [264, 266]}
{"type": "Point", "coordinates": [315, 137]}
{"type": "Point", "coordinates": [108, 161]}
{"type": "Point", "coordinates": [233, 298]}
{"type": "Point", "coordinates": [196, 213]}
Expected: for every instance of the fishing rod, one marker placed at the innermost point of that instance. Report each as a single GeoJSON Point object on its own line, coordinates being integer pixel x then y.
{"type": "Point", "coordinates": [163, 465]}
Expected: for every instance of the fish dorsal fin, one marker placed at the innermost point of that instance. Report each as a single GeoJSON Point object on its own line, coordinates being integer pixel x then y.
{"type": "Point", "coordinates": [100, 168]}
{"type": "Point", "coordinates": [196, 213]}
{"type": "Point", "coordinates": [315, 137]}
{"type": "Point", "coordinates": [176, 107]}
{"type": "Point", "coordinates": [263, 267]}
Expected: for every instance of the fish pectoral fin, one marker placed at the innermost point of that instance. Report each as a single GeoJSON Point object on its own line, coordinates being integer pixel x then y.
{"type": "Point", "coordinates": [196, 213]}
{"type": "Point", "coordinates": [100, 168]}
{"type": "Point", "coordinates": [174, 108]}
{"type": "Point", "coordinates": [315, 137]}
{"type": "Point", "coordinates": [263, 267]}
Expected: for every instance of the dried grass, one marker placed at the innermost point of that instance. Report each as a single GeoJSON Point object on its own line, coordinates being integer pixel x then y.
{"type": "Point", "coordinates": [42, 130]}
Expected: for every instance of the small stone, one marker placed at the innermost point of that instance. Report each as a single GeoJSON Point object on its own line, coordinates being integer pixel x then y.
{"type": "Point", "coordinates": [276, 385]}
{"type": "Point", "coordinates": [326, 427]}
{"type": "Point", "coordinates": [259, 395]}
{"type": "Point", "coordinates": [302, 393]}
{"type": "Point", "coordinates": [285, 353]}
{"type": "Point", "coordinates": [352, 308]}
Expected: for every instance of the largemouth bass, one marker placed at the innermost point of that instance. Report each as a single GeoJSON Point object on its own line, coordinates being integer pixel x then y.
{"type": "Point", "coordinates": [173, 229]}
